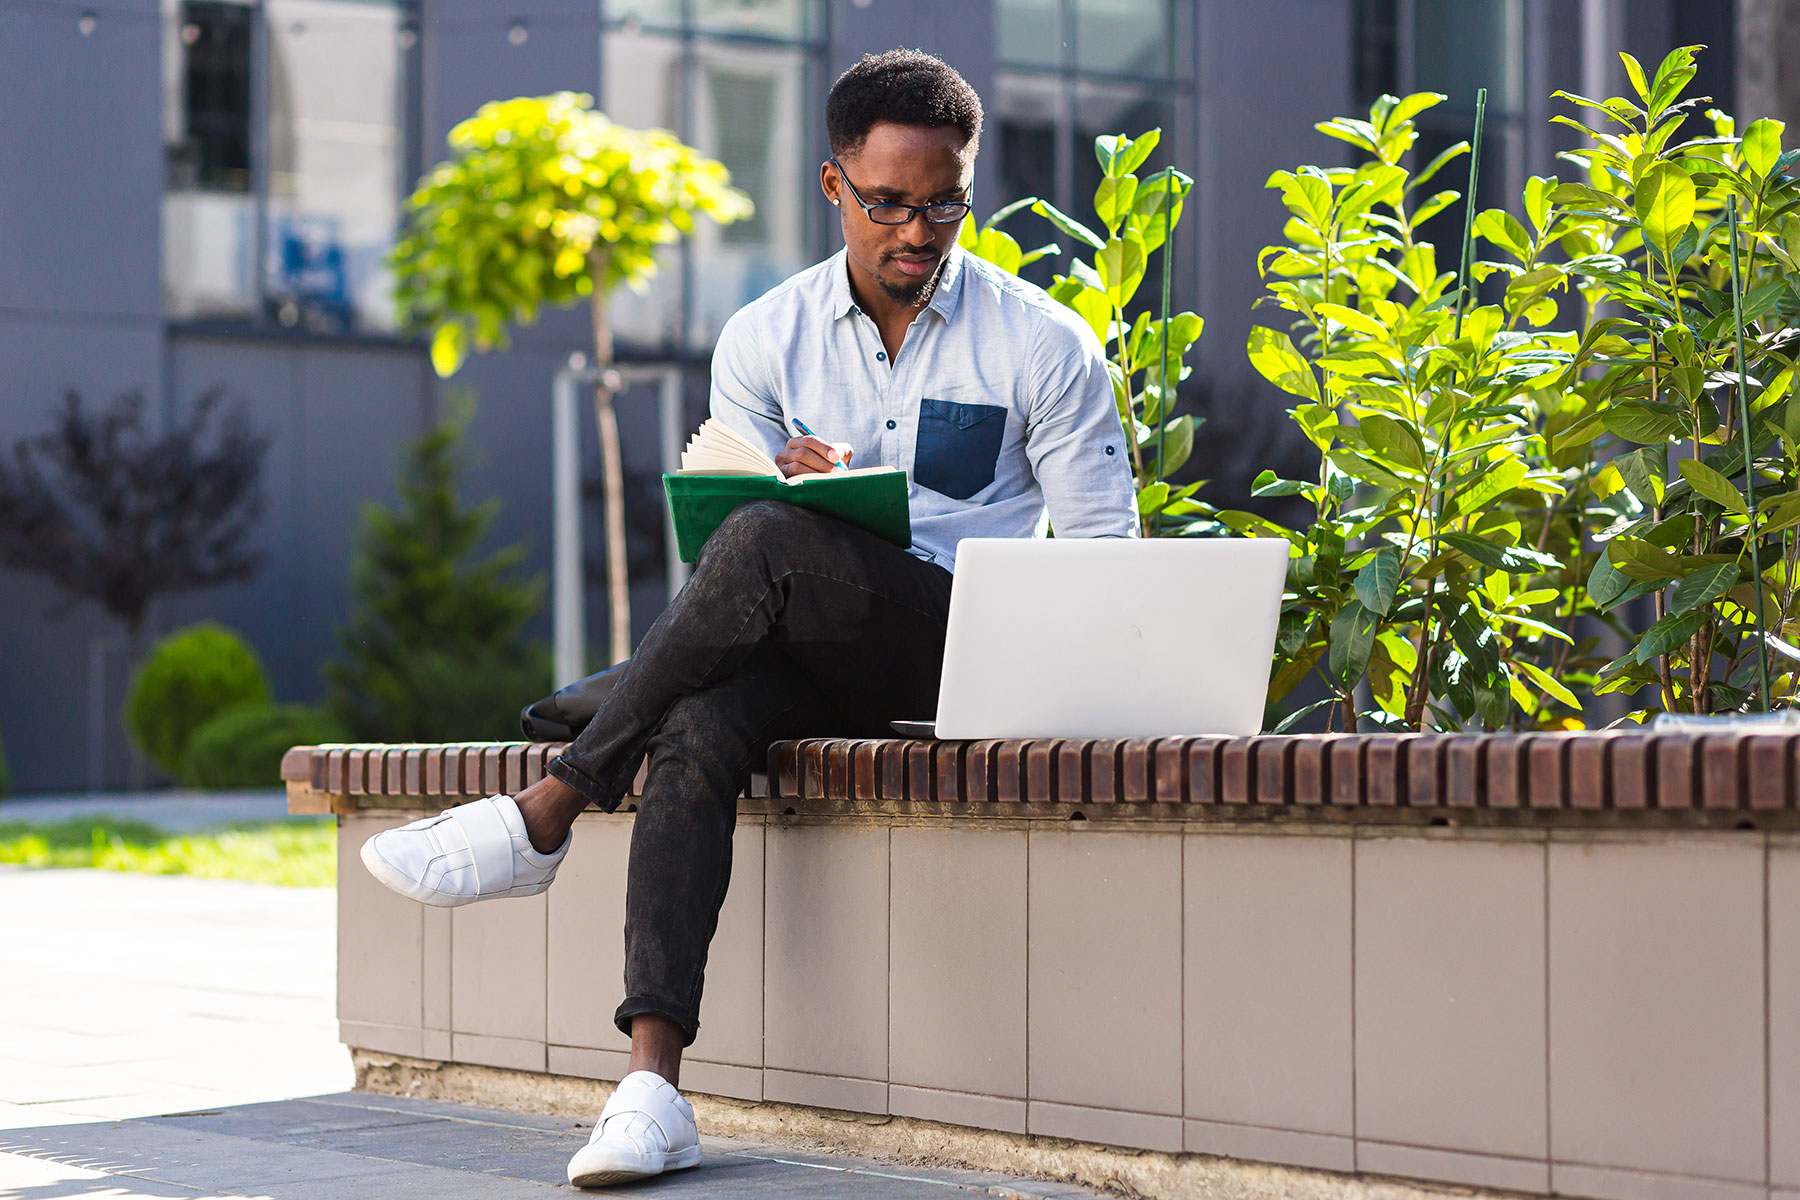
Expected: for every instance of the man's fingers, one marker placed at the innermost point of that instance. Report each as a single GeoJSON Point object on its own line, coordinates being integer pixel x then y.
{"type": "Point", "coordinates": [811, 455]}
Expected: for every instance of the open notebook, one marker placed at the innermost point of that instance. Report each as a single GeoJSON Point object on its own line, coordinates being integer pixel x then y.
{"type": "Point", "coordinates": [722, 469]}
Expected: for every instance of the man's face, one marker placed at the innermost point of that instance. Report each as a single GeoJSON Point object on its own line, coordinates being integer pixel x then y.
{"type": "Point", "coordinates": [903, 164]}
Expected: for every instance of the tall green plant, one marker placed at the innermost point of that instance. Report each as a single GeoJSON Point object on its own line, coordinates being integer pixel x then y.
{"type": "Point", "coordinates": [1691, 378]}
{"type": "Point", "coordinates": [1146, 353]}
{"type": "Point", "coordinates": [544, 202]}
{"type": "Point", "coordinates": [1418, 572]}
{"type": "Point", "coordinates": [435, 648]}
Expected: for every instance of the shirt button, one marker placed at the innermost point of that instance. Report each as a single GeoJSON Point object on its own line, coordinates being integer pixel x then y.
{"type": "Point", "coordinates": [891, 425]}
{"type": "Point", "coordinates": [1109, 450]}
{"type": "Point", "coordinates": [881, 356]}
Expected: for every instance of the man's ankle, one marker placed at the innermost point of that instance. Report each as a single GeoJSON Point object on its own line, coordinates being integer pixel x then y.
{"type": "Point", "coordinates": [548, 813]}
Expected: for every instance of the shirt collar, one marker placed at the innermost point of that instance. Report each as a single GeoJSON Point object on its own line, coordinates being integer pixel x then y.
{"type": "Point", "coordinates": [944, 300]}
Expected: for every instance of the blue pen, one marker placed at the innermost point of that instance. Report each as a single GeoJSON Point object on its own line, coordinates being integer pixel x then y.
{"type": "Point", "coordinates": [805, 432]}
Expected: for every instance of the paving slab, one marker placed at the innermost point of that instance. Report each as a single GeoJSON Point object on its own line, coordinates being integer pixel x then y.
{"type": "Point", "coordinates": [355, 1144]}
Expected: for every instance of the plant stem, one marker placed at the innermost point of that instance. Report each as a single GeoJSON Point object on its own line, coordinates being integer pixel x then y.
{"type": "Point", "coordinates": [612, 471]}
{"type": "Point", "coordinates": [1168, 401]}
{"type": "Point", "coordinates": [1415, 700]}
{"type": "Point", "coordinates": [1737, 320]}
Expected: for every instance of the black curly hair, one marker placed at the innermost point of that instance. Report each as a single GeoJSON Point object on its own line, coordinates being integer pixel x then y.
{"type": "Point", "coordinates": [905, 87]}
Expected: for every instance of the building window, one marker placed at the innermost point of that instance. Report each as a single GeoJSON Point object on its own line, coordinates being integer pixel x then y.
{"type": "Point", "coordinates": [1071, 70]}
{"type": "Point", "coordinates": [1405, 46]}
{"type": "Point", "coordinates": [734, 79]}
{"type": "Point", "coordinates": [285, 135]}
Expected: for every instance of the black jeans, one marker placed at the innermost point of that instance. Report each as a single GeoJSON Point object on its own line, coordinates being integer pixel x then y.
{"type": "Point", "coordinates": [792, 625]}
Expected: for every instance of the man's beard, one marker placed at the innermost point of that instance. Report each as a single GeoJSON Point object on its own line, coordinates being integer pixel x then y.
{"type": "Point", "coordinates": [915, 295]}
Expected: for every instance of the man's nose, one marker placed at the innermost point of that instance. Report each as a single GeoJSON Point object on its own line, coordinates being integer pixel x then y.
{"type": "Point", "coordinates": [917, 231]}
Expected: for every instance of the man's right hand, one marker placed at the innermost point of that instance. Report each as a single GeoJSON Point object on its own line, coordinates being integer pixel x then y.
{"type": "Point", "coordinates": [812, 456]}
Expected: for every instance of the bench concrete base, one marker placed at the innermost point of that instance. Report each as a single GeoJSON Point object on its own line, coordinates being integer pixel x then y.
{"type": "Point", "coordinates": [901, 1140]}
{"type": "Point", "coordinates": [1585, 1012]}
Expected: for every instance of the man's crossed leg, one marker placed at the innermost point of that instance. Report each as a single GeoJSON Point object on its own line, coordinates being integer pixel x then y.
{"type": "Point", "coordinates": [793, 625]}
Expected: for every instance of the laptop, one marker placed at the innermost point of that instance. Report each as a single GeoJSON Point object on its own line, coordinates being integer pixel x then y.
{"type": "Point", "coordinates": [1108, 637]}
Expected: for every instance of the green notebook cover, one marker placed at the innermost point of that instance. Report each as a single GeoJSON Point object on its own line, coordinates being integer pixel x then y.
{"type": "Point", "coordinates": [876, 502]}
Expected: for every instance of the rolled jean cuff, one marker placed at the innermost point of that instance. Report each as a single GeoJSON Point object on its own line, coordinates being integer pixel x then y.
{"type": "Point", "coordinates": [641, 1006]}
{"type": "Point", "coordinates": [561, 769]}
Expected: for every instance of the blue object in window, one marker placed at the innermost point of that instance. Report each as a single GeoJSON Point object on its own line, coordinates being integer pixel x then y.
{"type": "Point", "coordinates": [958, 446]}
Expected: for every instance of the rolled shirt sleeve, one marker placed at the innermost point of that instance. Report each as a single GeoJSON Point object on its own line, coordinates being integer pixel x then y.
{"type": "Point", "coordinates": [1074, 439]}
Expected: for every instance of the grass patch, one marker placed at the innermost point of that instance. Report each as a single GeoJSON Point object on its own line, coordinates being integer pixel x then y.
{"type": "Point", "coordinates": [295, 854]}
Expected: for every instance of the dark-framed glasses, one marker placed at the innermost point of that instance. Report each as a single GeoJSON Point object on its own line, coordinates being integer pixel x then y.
{"type": "Point", "coordinates": [948, 212]}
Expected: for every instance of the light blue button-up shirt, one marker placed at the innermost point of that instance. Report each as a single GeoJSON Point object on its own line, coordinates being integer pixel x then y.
{"type": "Point", "coordinates": [997, 406]}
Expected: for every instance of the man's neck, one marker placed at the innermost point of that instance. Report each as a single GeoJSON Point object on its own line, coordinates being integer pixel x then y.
{"type": "Point", "coordinates": [891, 316]}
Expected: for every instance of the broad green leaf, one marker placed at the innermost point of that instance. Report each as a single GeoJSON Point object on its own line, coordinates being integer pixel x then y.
{"type": "Point", "coordinates": [1350, 318]}
{"type": "Point", "coordinates": [1642, 561]}
{"type": "Point", "coordinates": [1394, 442]}
{"type": "Point", "coordinates": [1121, 265]}
{"type": "Point", "coordinates": [1352, 638]}
{"type": "Point", "coordinates": [1634, 71]}
{"type": "Point", "coordinates": [1273, 355]}
{"type": "Point", "coordinates": [1353, 464]}
{"type": "Point", "coordinates": [1307, 193]}
{"type": "Point", "coordinates": [1175, 442]}
{"type": "Point", "coordinates": [1499, 479]}
{"type": "Point", "coordinates": [1537, 200]}
{"type": "Point", "coordinates": [1667, 634]}
{"type": "Point", "coordinates": [1408, 107]}
{"type": "Point", "coordinates": [1516, 559]}
{"type": "Point", "coordinates": [1267, 483]}
{"type": "Point", "coordinates": [999, 248]}
{"type": "Point", "coordinates": [1068, 224]}
{"type": "Point", "coordinates": [1503, 230]}
{"type": "Point", "coordinates": [1606, 583]}
{"type": "Point", "coordinates": [1665, 203]}
{"type": "Point", "coordinates": [1762, 145]}
{"type": "Point", "coordinates": [966, 235]}
{"type": "Point", "coordinates": [1704, 586]}
{"type": "Point", "coordinates": [1643, 474]}
{"type": "Point", "coordinates": [1712, 485]}
{"type": "Point", "coordinates": [1379, 579]}
{"type": "Point", "coordinates": [449, 346]}
{"type": "Point", "coordinates": [1132, 156]}
{"type": "Point", "coordinates": [1636, 421]}
{"type": "Point", "coordinates": [1164, 188]}
{"type": "Point", "coordinates": [1152, 496]}
{"type": "Point", "coordinates": [1094, 308]}
{"type": "Point", "coordinates": [1112, 200]}
{"type": "Point", "coordinates": [1548, 683]}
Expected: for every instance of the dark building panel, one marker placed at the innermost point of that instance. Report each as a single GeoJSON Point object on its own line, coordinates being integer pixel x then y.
{"type": "Point", "coordinates": [80, 159]}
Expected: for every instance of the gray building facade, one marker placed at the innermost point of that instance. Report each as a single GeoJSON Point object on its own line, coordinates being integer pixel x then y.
{"type": "Point", "coordinates": [199, 194]}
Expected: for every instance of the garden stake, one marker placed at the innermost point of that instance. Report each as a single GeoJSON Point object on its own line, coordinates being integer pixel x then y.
{"type": "Point", "coordinates": [1421, 668]}
{"type": "Point", "coordinates": [1162, 425]}
{"type": "Point", "coordinates": [1737, 317]}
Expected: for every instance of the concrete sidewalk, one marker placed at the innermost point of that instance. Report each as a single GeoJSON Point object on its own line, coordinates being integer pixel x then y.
{"type": "Point", "coordinates": [131, 996]}
{"type": "Point", "coordinates": [331, 1147]}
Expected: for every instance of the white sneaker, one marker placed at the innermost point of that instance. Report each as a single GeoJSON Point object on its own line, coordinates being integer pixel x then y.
{"type": "Point", "coordinates": [475, 851]}
{"type": "Point", "coordinates": [645, 1129]}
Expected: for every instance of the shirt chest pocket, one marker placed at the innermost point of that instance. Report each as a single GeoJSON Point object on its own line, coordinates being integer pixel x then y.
{"type": "Point", "coordinates": [958, 446]}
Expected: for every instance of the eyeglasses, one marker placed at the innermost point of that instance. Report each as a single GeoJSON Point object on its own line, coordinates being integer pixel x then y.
{"type": "Point", "coordinates": [949, 212]}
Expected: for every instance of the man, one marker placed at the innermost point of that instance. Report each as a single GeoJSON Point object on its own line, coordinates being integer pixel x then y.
{"type": "Point", "coordinates": [906, 352]}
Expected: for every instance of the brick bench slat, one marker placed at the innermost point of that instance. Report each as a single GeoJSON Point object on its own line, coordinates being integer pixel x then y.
{"type": "Point", "coordinates": [1720, 778]}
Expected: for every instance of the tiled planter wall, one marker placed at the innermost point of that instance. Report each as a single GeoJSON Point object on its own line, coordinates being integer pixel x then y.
{"type": "Point", "coordinates": [1591, 1012]}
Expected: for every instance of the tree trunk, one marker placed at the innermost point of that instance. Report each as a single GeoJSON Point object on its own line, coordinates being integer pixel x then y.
{"type": "Point", "coordinates": [612, 474]}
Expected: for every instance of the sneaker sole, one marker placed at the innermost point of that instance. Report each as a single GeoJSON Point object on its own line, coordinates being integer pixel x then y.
{"type": "Point", "coordinates": [680, 1161]}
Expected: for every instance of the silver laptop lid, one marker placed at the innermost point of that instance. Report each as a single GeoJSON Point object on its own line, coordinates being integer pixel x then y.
{"type": "Point", "coordinates": [1110, 637]}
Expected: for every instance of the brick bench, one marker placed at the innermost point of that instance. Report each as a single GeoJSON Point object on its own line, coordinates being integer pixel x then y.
{"type": "Point", "coordinates": [1563, 962]}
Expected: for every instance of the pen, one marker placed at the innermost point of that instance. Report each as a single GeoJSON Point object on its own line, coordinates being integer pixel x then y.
{"type": "Point", "coordinates": [805, 432]}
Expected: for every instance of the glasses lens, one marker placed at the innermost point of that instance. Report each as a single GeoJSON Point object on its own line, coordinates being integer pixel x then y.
{"type": "Point", "coordinates": [890, 214]}
{"type": "Point", "coordinates": [946, 214]}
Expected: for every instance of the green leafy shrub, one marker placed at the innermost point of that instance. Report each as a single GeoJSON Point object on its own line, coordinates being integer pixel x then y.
{"type": "Point", "coordinates": [435, 649]}
{"type": "Point", "coordinates": [242, 746]}
{"type": "Point", "coordinates": [190, 677]}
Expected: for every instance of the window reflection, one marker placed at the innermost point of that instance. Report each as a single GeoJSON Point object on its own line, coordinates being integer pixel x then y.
{"type": "Point", "coordinates": [1027, 32]}
{"type": "Point", "coordinates": [744, 102]}
{"type": "Point", "coordinates": [334, 163]}
{"type": "Point", "coordinates": [288, 224]}
{"type": "Point", "coordinates": [209, 213]}
{"type": "Point", "coordinates": [1131, 37]}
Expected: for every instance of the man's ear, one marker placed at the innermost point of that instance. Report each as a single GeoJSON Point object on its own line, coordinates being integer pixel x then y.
{"type": "Point", "coordinates": [831, 184]}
